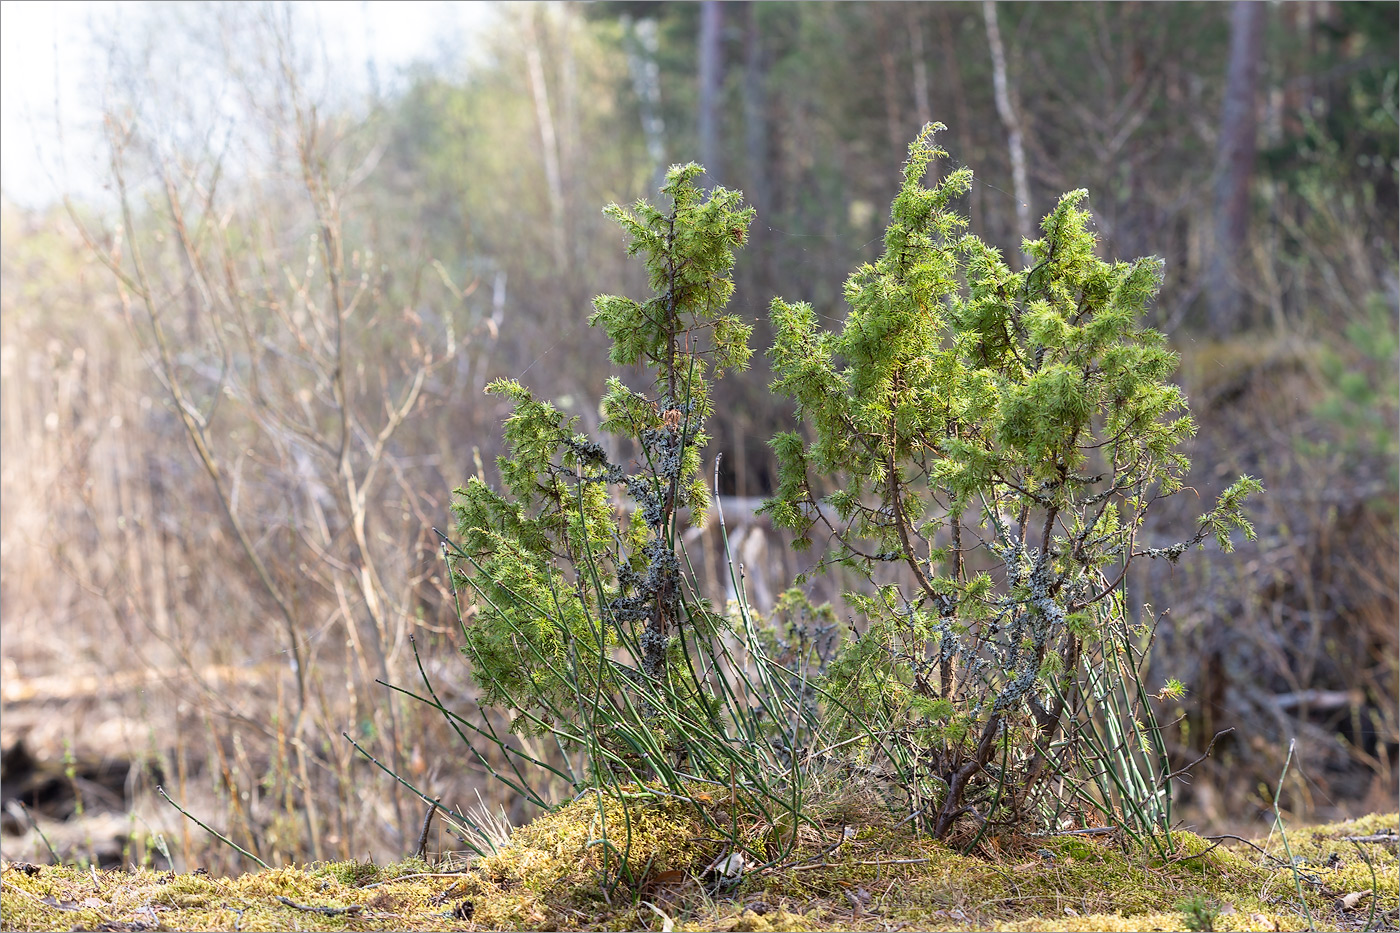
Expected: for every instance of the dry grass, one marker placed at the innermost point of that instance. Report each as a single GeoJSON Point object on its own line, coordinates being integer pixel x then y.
{"type": "Point", "coordinates": [133, 630]}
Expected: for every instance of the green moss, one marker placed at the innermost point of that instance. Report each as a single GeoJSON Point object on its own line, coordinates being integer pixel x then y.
{"type": "Point", "coordinates": [552, 877]}
{"type": "Point", "coordinates": [351, 874]}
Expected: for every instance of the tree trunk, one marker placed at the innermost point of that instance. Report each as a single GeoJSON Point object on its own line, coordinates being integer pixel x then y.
{"type": "Point", "coordinates": [570, 133]}
{"type": "Point", "coordinates": [894, 119]}
{"type": "Point", "coordinates": [916, 51]}
{"type": "Point", "coordinates": [640, 42]}
{"type": "Point", "coordinates": [711, 27]}
{"type": "Point", "coordinates": [953, 80]}
{"type": "Point", "coordinates": [549, 143]}
{"type": "Point", "coordinates": [755, 113]}
{"type": "Point", "coordinates": [1235, 168]}
{"type": "Point", "coordinates": [1011, 120]}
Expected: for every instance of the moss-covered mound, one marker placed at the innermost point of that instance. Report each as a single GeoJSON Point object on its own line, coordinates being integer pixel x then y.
{"type": "Point", "coordinates": [658, 864]}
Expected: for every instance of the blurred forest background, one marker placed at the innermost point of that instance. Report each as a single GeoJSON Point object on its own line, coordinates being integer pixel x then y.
{"type": "Point", "coordinates": [239, 388]}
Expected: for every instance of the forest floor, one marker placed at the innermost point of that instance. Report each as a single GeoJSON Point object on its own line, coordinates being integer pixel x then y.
{"type": "Point", "coordinates": [843, 873]}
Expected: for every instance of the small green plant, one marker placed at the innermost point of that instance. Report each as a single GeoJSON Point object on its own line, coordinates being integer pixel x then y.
{"type": "Point", "coordinates": [1198, 913]}
{"type": "Point", "coordinates": [563, 586]}
{"type": "Point", "coordinates": [588, 628]}
{"type": "Point", "coordinates": [556, 516]}
{"type": "Point", "coordinates": [984, 446]}
{"type": "Point", "coordinates": [993, 440]}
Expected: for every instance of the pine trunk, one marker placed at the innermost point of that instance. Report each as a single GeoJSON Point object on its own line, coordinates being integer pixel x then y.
{"type": "Point", "coordinates": [1236, 153]}
{"type": "Point", "coordinates": [711, 27]}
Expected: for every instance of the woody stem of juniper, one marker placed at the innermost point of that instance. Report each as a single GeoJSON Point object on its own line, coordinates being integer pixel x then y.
{"type": "Point", "coordinates": [654, 643]}
{"type": "Point", "coordinates": [945, 663]}
{"type": "Point", "coordinates": [671, 308]}
{"type": "Point", "coordinates": [953, 806]}
{"type": "Point", "coordinates": [1049, 721]}
{"type": "Point", "coordinates": [892, 468]}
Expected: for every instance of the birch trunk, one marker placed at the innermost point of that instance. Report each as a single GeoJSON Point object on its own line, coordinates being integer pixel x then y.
{"type": "Point", "coordinates": [1015, 143]}
{"type": "Point", "coordinates": [549, 143]}
{"type": "Point", "coordinates": [640, 43]}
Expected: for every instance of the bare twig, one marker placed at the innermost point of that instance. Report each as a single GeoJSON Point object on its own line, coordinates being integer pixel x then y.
{"type": "Point", "coordinates": [1087, 831]}
{"type": "Point", "coordinates": [1260, 849]}
{"type": "Point", "coordinates": [887, 861]}
{"type": "Point", "coordinates": [422, 850]}
{"type": "Point", "coordinates": [420, 874]}
{"type": "Point", "coordinates": [1389, 837]}
{"type": "Point", "coordinates": [1204, 755]}
{"type": "Point", "coordinates": [323, 911]}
